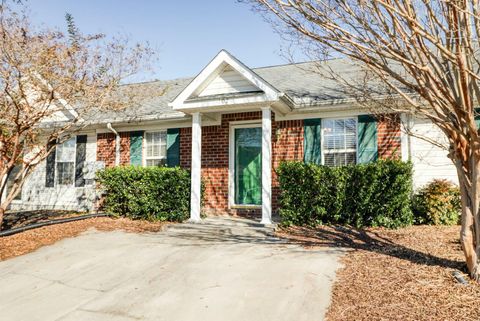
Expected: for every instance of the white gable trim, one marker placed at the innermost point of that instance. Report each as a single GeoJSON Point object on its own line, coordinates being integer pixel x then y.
{"type": "Point", "coordinates": [62, 101]}
{"type": "Point", "coordinates": [228, 81]}
{"type": "Point", "coordinates": [212, 70]}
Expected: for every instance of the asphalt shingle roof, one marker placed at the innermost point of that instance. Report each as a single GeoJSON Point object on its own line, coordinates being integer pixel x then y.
{"type": "Point", "coordinates": [310, 83]}
{"type": "Point", "coordinates": [304, 83]}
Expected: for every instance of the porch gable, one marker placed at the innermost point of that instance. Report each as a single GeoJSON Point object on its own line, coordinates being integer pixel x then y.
{"type": "Point", "coordinates": [225, 83]}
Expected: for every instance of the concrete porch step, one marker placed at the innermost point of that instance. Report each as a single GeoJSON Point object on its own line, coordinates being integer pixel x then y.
{"type": "Point", "coordinates": [225, 229]}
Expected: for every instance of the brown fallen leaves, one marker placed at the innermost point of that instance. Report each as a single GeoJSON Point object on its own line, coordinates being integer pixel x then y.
{"type": "Point", "coordinates": [28, 241]}
{"type": "Point", "coordinates": [403, 274]}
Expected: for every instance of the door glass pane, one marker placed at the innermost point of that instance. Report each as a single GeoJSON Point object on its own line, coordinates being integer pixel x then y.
{"type": "Point", "coordinates": [248, 166]}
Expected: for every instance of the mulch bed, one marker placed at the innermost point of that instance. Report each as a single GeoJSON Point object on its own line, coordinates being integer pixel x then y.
{"type": "Point", "coordinates": [14, 219]}
{"type": "Point", "coordinates": [28, 241]}
{"type": "Point", "coordinates": [403, 274]}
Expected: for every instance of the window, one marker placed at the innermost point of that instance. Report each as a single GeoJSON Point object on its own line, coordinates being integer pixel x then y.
{"type": "Point", "coordinates": [339, 141]}
{"type": "Point", "coordinates": [156, 148]}
{"type": "Point", "coordinates": [65, 162]}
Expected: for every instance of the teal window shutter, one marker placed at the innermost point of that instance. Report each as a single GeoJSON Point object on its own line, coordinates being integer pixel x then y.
{"type": "Point", "coordinates": [367, 139]}
{"type": "Point", "coordinates": [80, 156]}
{"type": "Point", "coordinates": [50, 163]}
{"type": "Point", "coordinates": [136, 140]}
{"type": "Point", "coordinates": [173, 147]}
{"type": "Point", "coordinates": [312, 141]}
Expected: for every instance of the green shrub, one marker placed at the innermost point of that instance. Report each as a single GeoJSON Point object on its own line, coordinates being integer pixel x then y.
{"type": "Point", "coordinates": [375, 194]}
{"type": "Point", "coordinates": [151, 193]}
{"type": "Point", "coordinates": [437, 203]}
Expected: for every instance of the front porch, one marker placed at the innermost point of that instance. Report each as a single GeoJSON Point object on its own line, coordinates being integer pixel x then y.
{"type": "Point", "coordinates": [234, 160]}
{"type": "Point", "coordinates": [232, 153]}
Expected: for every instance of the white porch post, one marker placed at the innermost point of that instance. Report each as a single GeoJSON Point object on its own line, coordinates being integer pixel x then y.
{"type": "Point", "coordinates": [266, 165]}
{"type": "Point", "coordinates": [195, 198]}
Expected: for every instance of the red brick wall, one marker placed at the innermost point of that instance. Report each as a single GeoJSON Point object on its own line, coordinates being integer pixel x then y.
{"type": "Point", "coordinates": [106, 149]}
{"type": "Point", "coordinates": [389, 137]}
{"type": "Point", "coordinates": [185, 147]}
{"type": "Point", "coordinates": [287, 144]}
{"type": "Point", "coordinates": [125, 148]}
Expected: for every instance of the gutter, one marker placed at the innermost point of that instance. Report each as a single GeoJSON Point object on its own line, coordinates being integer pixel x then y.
{"type": "Point", "coordinates": [117, 144]}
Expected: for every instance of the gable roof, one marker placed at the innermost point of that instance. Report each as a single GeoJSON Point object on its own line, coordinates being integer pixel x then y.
{"type": "Point", "coordinates": [213, 70]}
{"type": "Point", "coordinates": [301, 82]}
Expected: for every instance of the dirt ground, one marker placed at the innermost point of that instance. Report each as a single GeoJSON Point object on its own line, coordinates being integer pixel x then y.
{"type": "Point", "coordinates": [403, 274]}
{"type": "Point", "coordinates": [28, 241]}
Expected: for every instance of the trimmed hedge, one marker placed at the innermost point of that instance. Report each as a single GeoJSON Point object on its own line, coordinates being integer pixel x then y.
{"type": "Point", "coordinates": [151, 193]}
{"type": "Point", "coordinates": [437, 203]}
{"type": "Point", "coordinates": [374, 194]}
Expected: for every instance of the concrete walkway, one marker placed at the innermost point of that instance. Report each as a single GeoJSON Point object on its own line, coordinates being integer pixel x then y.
{"type": "Point", "coordinates": [222, 269]}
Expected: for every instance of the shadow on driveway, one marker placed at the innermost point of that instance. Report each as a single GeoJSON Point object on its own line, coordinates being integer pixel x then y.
{"type": "Point", "coordinates": [360, 239]}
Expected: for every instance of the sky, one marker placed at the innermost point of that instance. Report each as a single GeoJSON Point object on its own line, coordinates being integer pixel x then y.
{"type": "Point", "coordinates": [185, 34]}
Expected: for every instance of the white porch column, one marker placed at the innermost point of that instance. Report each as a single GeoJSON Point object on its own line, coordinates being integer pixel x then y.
{"type": "Point", "coordinates": [266, 165]}
{"type": "Point", "coordinates": [195, 198]}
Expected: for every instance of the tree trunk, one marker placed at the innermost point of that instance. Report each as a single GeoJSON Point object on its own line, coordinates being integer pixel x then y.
{"type": "Point", "coordinates": [2, 214]}
{"type": "Point", "coordinates": [470, 199]}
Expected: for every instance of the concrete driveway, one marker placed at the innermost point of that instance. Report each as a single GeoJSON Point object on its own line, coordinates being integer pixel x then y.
{"type": "Point", "coordinates": [223, 269]}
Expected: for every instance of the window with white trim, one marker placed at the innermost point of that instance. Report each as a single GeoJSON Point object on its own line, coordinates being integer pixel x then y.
{"type": "Point", "coordinates": [339, 141]}
{"type": "Point", "coordinates": [156, 148]}
{"type": "Point", "coordinates": [65, 162]}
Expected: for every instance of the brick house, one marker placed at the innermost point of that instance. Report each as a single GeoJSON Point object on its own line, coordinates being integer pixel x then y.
{"type": "Point", "coordinates": [232, 126]}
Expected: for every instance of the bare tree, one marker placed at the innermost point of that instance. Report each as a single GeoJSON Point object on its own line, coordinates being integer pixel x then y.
{"type": "Point", "coordinates": [51, 85]}
{"type": "Point", "coordinates": [426, 52]}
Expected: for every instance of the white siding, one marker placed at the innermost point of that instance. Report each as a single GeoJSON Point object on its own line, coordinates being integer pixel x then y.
{"type": "Point", "coordinates": [36, 196]}
{"type": "Point", "coordinates": [91, 152]}
{"type": "Point", "coordinates": [227, 82]}
{"type": "Point", "coordinates": [429, 161]}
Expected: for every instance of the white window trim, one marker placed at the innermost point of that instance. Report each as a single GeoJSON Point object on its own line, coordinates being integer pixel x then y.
{"type": "Point", "coordinates": [74, 165]}
{"type": "Point", "coordinates": [231, 162]}
{"type": "Point", "coordinates": [322, 150]}
{"type": "Point", "coordinates": [144, 145]}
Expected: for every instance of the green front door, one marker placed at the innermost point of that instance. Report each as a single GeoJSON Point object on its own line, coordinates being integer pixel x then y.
{"type": "Point", "coordinates": [248, 166]}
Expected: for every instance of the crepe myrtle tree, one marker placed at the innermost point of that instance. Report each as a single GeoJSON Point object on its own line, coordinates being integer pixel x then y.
{"type": "Point", "coordinates": [51, 83]}
{"type": "Point", "coordinates": [426, 52]}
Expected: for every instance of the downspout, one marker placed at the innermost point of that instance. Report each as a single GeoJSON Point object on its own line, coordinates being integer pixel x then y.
{"type": "Point", "coordinates": [117, 144]}
{"type": "Point", "coordinates": [406, 127]}
{"type": "Point", "coordinates": [409, 138]}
